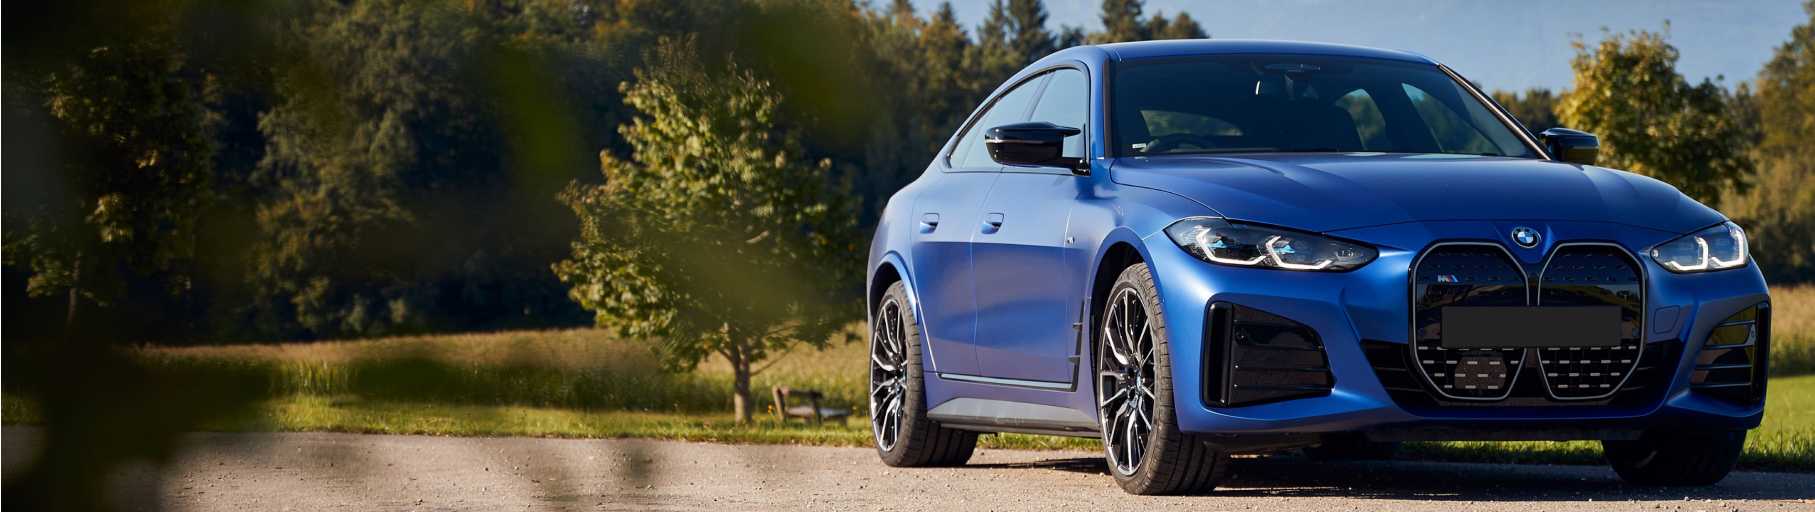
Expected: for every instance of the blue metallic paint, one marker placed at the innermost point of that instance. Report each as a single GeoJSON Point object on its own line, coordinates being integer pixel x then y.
{"type": "Point", "coordinates": [1039, 279]}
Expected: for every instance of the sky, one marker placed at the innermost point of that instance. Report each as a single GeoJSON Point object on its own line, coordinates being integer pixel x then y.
{"type": "Point", "coordinates": [1501, 45]}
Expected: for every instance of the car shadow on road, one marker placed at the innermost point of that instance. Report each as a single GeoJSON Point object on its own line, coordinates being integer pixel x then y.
{"type": "Point", "coordinates": [1091, 465]}
{"type": "Point", "coordinates": [1293, 476]}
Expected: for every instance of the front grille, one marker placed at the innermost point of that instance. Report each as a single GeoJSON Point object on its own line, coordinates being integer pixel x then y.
{"type": "Point", "coordinates": [1479, 274]}
{"type": "Point", "coordinates": [1465, 275]}
{"type": "Point", "coordinates": [1391, 363]}
{"type": "Point", "coordinates": [1592, 275]}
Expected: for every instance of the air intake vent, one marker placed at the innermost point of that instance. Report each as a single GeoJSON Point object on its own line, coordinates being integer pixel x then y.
{"type": "Point", "coordinates": [1732, 364]}
{"type": "Point", "coordinates": [1256, 357]}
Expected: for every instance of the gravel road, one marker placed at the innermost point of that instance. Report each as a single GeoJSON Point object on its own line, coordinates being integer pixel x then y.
{"type": "Point", "coordinates": [321, 471]}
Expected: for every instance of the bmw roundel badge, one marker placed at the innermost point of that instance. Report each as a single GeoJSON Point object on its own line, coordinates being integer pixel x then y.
{"type": "Point", "coordinates": [1526, 237]}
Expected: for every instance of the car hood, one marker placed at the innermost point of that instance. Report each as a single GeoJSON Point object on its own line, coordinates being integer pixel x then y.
{"type": "Point", "coordinates": [1327, 192]}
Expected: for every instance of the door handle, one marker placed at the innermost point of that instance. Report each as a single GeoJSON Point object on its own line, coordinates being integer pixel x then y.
{"type": "Point", "coordinates": [992, 223]}
{"type": "Point", "coordinates": [929, 222]}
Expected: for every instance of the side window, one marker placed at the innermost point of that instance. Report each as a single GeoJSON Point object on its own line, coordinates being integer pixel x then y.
{"type": "Point", "coordinates": [1012, 108]}
{"type": "Point", "coordinates": [1066, 102]}
{"type": "Point", "coordinates": [1453, 132]}
{"type": "Point", "coordinates": [1370, 126]}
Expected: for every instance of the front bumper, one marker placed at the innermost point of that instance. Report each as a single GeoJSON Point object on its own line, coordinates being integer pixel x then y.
{"type": "Point", "coordinates": [1370, 308]}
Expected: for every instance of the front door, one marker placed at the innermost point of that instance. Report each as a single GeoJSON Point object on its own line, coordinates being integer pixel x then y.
{"type": "Point", "coordinates": [1029, 289]}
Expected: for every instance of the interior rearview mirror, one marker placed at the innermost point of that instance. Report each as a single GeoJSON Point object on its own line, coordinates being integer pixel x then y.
{"type": "Point", "coordinates": [1033, 143]}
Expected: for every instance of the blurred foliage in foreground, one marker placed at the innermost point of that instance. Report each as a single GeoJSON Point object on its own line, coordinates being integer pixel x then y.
{"type": "Point", "coordinates": [186, 171]}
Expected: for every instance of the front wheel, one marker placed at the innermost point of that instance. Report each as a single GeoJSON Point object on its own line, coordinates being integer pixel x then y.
{"type": "Point", "coordinates": [1676, 458]}
{"type": "Point", "coordinates": [1147, 452]}
{"type": "Point", "coordinates": [904, 435]}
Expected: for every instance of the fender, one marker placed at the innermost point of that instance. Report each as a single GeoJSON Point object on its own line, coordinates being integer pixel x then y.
{"type": "Point", "coordinates": [894, 261]}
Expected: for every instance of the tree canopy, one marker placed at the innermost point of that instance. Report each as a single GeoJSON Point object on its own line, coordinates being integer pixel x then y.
{"type": "Point", "coordinates": [1654, 122]}
{"type": "Point", "coordinates": [718, 235]}
{"type": "Point", "coordinates": [1779, 210]}
{"type": "Point", "coordinates": [1536, 108]}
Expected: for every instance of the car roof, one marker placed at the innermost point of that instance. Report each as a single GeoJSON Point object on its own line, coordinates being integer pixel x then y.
{"type": "Point", "coordinates": [1187, 47]}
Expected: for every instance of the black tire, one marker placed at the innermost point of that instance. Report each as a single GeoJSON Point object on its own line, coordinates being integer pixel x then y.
{"type": "Point", "coordinates": [1170, 461]}
{"type": "Point", "coordinates": [1338, 447]}
{"type": "Point", "coordinates": [1676, 458]}
{"type": "Point", "coordinates": [918, 441]}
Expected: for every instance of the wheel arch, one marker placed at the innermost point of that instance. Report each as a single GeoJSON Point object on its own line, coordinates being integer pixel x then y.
{"type": "Point", "coordinates": [886, 273]}
{"type": "Point", "coordinates": [1117, 257]}
{"type": "Point", "coordinates": [889, 269]}
{"type": "Point", "coordinates": [1120, 250]}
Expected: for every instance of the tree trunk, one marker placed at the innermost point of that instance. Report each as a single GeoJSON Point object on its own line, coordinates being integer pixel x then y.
{"type": "Point", "coordinates": [740, 401]}
{"type": "Point", "coordinates": [75, 295]}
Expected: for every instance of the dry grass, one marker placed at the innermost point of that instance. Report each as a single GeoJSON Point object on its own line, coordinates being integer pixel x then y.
{"type": "Point", "coordinates": [589, 369]}
{"type": "Point", "coordinates": [1793, 330]}
{"type": "Point", "coordinates": [580, 369]}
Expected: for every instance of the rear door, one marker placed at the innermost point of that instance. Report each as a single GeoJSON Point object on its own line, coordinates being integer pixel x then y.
{"type": "Point", "coordinates": [1029, 289]}
{"type": "Point", "coordinates": [946, 214]}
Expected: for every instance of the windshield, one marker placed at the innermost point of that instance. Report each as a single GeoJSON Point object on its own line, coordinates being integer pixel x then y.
{"type": "Point", "coordinates": [1293, 103]}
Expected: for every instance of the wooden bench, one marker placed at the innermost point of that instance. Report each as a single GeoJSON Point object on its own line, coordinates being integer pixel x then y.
{"type": "Point", "coordinates": [811, 412]}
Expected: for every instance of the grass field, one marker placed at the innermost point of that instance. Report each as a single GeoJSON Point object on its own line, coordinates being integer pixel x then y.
{"type": "Point", "coordinates": [584, 383]}
{"type": "Point", "coordinates": [1793, 330]}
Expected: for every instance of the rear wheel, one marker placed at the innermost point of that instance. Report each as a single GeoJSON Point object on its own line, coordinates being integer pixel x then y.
{"type": "Point", "coordinates": [904, 435]}
{"type": "Point", "coordinates": [1147, 452]}
{"type": "Point", "coordinates": [1676, 458]}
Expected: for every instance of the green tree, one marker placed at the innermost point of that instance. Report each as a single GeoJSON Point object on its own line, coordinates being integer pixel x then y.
{"type": "Point", "coordinates": [407, 168]}
{"type": "Point", "coordinates": [1072, 35]}
{"type": "Point", "coordinates": [379, 113]}
{"type": "Point", "coordinates": [104, 203]}
{"type": "Point", "coordinates": [1536, 108]}
{"type": "Point", "coordinates": [1121, 23]}
{"type": "Point", "coordinates": [1178, 27]}
{"type": "Point", "coordinates": [1779, 212]}
{"type": "Point", "coordinates": [1653, 122]}
{"type": "Point", "coordinates": [943, 47]}
{"type": "Point", "coordinates": [994, 57]}
{"type": "Point", "coordinates": [901, 14]}
{"type": "Point", "coordinates": [1028, 37]}
{"type": "Point", "coordinates": [940, 89]}
{"type": "Point", "coordinates": [717, 235]}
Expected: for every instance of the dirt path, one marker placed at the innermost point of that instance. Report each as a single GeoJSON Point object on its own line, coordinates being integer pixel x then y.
{"type": "Point", "coordinates": [318, 471]}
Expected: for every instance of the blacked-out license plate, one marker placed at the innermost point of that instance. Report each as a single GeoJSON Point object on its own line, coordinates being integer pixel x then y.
{"type": "Point", "coordinates": [1526, 327]}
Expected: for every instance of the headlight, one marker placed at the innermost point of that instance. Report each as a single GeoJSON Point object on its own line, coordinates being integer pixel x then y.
{"type": "Point", "coordinates": [1717, 248]}
{"type": "Point", "coordinates": [1243, 245]}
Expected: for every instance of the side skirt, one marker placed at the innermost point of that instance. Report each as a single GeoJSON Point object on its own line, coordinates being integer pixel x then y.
{"type": "Point", "coordinates": [986, 415]}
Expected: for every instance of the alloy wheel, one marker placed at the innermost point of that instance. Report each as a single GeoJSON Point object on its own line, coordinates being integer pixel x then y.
{"type": "Point", "coordinates": [888, 373]}
{"type": "Point", "coordinates": [1125, 378]}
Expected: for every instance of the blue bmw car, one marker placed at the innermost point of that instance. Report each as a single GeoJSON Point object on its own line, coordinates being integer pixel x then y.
{"type": "Point", "coordinates": [1191, 249]}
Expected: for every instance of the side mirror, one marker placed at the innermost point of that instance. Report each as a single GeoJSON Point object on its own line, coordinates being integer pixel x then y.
{"type": "Point", "coordinates": [1573, 146]}
{"type": "Point", "coordinates": [1039, 144]}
